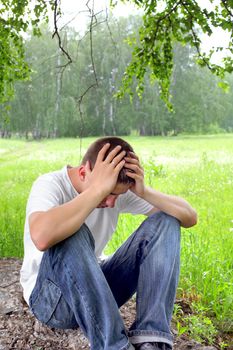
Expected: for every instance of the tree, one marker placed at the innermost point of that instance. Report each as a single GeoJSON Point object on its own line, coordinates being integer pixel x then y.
{"type": "Point", "coordinates": [171, 21]}
{"type": "Point", "coordinates": [33, 109]}
{"type": "Point", "coordinates": [199, 105]}
{"type": "Point", "coordinates": [164, 22]}
{"type": "Point", "coordinates": [15, 19]}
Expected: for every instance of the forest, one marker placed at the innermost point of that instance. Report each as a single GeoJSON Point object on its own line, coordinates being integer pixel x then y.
{"type": "Point", "coordinates": [79, 99]}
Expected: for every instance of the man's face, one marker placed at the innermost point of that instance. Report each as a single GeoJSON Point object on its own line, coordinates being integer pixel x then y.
{"type": "Point", "coordinates": [109, 201]}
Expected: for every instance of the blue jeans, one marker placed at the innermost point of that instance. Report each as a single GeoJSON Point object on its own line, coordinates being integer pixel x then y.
{"type": "Point", "coordinates": [73, 289]}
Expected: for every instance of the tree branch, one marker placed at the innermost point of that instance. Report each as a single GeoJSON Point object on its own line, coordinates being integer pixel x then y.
{"type": "Point", "coordinates": [196, 40]}
{"type": "Point", "coordinates": [166, 15]}
{"type": "Point", "coordinates": [93, 17]}
{"type": "Point", "coordinates": [56, 33]}
{"type": "Point", "coordinates": [79, 100]}
{"type": "Point", "coordinates": [224, 2]}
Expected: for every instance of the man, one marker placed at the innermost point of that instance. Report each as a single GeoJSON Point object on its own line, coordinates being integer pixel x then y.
{"type": "Point", "coordinates": [71, 215]}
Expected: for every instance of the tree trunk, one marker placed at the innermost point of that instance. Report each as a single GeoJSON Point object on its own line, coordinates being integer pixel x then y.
{"type": "Point", "coordinates": [58, 95]}
{"type": "Point", "coordinates": [104, 117]}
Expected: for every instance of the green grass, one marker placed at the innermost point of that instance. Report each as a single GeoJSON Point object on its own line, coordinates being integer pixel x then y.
{"type": "Point", "coordinates": [198, 168]}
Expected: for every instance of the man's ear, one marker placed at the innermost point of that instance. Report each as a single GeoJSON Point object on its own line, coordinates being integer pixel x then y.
{"type": "Point", "coordinates": [82, 172]}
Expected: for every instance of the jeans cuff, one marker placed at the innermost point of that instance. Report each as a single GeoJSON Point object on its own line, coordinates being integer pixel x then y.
{"type": "Point", "coordinates": [143, 336]}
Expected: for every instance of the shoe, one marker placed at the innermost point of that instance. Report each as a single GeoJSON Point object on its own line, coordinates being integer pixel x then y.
{"type": "Point", "coordinates": [153, 346]}
{"type": "Point", "coordinates": [147, 346]}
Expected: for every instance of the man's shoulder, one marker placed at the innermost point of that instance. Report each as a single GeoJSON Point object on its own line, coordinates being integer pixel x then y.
{"type": "Point", "coordinates": [51, 182]}
{"type": "Point", "coordinates": [48, 190]}
{"type": "Point", "coordinates": [53, 176]}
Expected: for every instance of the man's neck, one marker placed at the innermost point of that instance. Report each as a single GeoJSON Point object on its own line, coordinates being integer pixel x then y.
{"type": "Point", "coordinates": [74, 178]}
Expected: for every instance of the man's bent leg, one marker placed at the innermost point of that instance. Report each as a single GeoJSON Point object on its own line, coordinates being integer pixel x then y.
{"type": "Point", "coordinates": [148, 263]}
{"type": "Point", "coordinates": [71, 290]}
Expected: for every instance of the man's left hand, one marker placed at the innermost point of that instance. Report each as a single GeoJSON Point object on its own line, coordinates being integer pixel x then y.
{"type": "Point", "coordinates": [136, 173]}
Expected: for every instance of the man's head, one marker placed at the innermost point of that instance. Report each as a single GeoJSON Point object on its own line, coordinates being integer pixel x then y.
{"type": "Point", "coordinates": [96, 146]}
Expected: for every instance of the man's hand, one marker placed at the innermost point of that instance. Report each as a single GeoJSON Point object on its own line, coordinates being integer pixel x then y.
{"type": "Point", "coordinates": [136, 173]}
{"type": "Point", "coordinates": [103, 177]}
{"type": "Point", "coordinates": [172, 205]}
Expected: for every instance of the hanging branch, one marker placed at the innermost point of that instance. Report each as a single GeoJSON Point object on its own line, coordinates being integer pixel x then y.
{"type": "Point", "coordinates": [93, 23]}
{"type": "Point", "coordinates": [196, 39]}
{"type": "Point", "coordinates": [57, 34]}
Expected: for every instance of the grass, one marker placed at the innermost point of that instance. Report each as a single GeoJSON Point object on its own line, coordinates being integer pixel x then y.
{"type": "Point", "coordinates": [198, 168]}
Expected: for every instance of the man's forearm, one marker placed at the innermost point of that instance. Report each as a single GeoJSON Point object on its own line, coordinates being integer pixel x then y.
{"type": "Point", "coordinates": [172, 205]}
{"type": "Point", "coordinates": [56, 224]}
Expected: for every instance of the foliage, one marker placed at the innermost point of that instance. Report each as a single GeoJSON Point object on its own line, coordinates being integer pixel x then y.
{"type": "Point", "coordinates": [164, 22]}
{"type": "Point", "coordinates": [170, 21]}
{"type": "Point", "coordinates": [16, 17]}
{"type": "Point", "coordinates": [197, 324]}
{"type": "Point", "coordinates": [201, 328]}
{"type": "Point", "coordinates": [199, 105]}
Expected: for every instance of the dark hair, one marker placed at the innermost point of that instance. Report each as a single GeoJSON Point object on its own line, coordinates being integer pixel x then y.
{"type": "Point", "coordinates": [96, 146]}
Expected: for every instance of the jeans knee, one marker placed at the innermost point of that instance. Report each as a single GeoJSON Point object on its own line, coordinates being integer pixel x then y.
{"type": "Point", "coordinates": [164, 225]}
{"type": "Point", "coordinates": [85, 234]}
{"type": "Point", "coordinates": [159, 224]}
{"type": "Point", "coordinates": [81, 240]}
{"type": "Point", "coordinates": [165, 218]}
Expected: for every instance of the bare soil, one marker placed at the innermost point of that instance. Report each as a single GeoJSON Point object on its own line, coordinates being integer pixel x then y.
{"type": "Point", "coordinates": [20, 330]}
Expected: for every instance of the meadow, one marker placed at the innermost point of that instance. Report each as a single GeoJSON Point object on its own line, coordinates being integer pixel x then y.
{"type": "Point", "coordinates": [198, 168]}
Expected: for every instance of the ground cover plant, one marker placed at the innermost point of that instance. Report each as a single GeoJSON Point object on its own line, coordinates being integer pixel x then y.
{"type": "Point", "coordinates": [198, 168]}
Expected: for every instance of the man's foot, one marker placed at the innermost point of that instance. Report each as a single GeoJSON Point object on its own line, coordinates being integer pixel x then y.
{"type": "Point", "coordinates": [147, 346]}
{"type": "Point", "coordinates": [153, 346]}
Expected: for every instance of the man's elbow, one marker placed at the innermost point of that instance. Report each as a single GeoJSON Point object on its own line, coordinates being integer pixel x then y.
{"type": "Point", "coordinates": [39, 227]}
{"type": "Point", "coordinates": [191, 220]}
{"type": "Point", "coordinates": [38, 238]}
{"type": "Point", "coordinates": [194, 218]}
{"type": "Point", "coordinates": [39, 243]}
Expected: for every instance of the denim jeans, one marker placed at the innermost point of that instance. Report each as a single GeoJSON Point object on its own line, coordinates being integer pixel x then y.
{"type": "Point", "coordinates": [74, 290]}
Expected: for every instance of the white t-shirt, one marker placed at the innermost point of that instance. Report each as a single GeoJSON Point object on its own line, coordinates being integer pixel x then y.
{"type": "Point", "coordinates": [53, 189]}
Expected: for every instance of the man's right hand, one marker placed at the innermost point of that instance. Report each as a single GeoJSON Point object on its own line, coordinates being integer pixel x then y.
{"type": "Point", "coordinates": [103, 177]}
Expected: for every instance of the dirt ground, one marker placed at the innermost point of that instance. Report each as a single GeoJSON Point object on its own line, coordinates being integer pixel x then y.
{"type": "Point", "coordinates": [20, 330]}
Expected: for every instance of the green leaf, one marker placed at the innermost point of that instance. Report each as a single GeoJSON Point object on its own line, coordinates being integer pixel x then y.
{"type": "Point", "coordinates": [224, 85]}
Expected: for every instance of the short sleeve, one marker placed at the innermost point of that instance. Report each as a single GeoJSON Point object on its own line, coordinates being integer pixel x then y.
{"type": "Point", "coordinates": [131, 203]}
{"type": "Point", "coordinates": [45, 194]}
